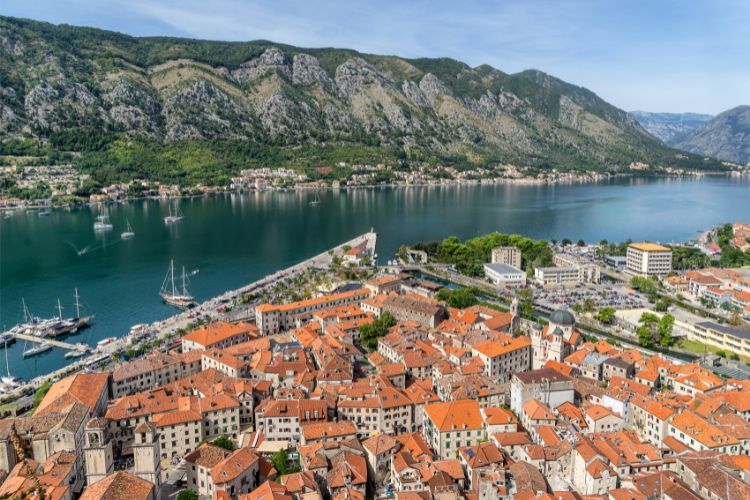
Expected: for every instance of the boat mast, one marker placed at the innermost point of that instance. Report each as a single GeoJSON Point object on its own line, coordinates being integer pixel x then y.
{"type": "Point", "coordinates": [78, 305]}
{"type": "Point", "coordinates": [171, 273]}
{"type": "Point", "coordinates": [184, 282]}
{"type": "Point", "coordinates": [59, 309]}
{"type": "Point", "coordinates": [7, 366]}
{"type": "Point", "coordinates": [26, 314]}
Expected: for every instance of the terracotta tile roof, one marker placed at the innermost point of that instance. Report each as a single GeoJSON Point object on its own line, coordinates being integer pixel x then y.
{"type": "Point", "coordinates": [300, 482]}
{"type": "Point", "coordinates": [560, 367]}
{"type": "Point", "coordinates": [482, 455]}
{"type": "Point", "coordinates": [84, 388]}
{"type": "Point", "coordinates": [597, 412]}
{"type": "Point", "coordinates": [119, 486]}
{"type": "Point", "coordinates": [380, 444]}
{"type": "Point", "coordinates": [541, 375]}
{"type": "Point", "coordinates": [511, 438]}
{"type": "Point", "coordinates": [207, 455]}
{"type": "Point", "coordinates": [176, 417]}
{"type": "Point", "coordinates": [527, 477]}
{"type": "Point", "coordinates": [347, 469]}
{"type": "Point", "coordinates": [503, 346]}
{"type": "Point", "coordinates": [292, 306]}
{"type": "Point", "coordinates": [572, 413]}
{"type": "Point", "coordinates": [499, 416]}
{"type": "Point", "coordinates": [234, 465]}
{"type": "Point", "coordinates": [225, 359]}
{"type": "Point", "coordinates": [328, 430]}
{"type": "Point", "coordinates": [577, 357]}
{"type": "Point", "coordinates": [598, 467]}
{"type": "Point", "coordinates": [536, 410]}
{"type": "Point", "coordinates": [547, 435]}
{"type": "Point", "coordinates": [267, 491]}
{"type": "Point", "coordinates": [500, 322]}
{"type": "Point", "coordinates": [219, 332]}
{"type": "Point", "coordinates": [452, 415]}
{"type": "Point", "coordinates": [702, 431]}
{"type": "Point", "coordinates": [737, 400]}
{"type": "Point", "coordinates": [415, 445]}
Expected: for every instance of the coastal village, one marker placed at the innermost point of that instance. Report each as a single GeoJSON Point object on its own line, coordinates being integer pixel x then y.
{"type": "Point", "coordinates": [32, 185]}
{"type": "Point", "coordinates": [382, 389]}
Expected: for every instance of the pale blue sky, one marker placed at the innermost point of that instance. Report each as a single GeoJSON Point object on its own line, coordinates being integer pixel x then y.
{"type": "Point", "coordinates": [655, 55]}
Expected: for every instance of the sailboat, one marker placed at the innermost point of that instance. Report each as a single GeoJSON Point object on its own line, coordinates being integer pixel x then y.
{"type": "Point", "coordinates": [316, 201]}
{"type": "Point", "coordinates": [67, 326]}
{"type": "Point", "coordinates": [174, 296]}
{"type": "Point", "coordinates": [83, 350]}
{"type": "Point", "coordinates": [128, 233]}
{"type": "Point", "coordinates": [102, 222]}
{"type": "Point", "coordinates": [37, 349]}
{"type": "Point", "coordinates": [175, 216]}
{"type": "Point", "coordinates": [9, 380]}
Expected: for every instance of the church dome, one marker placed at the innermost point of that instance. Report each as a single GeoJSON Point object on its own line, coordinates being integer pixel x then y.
{"type": "Point", "coordinates": [562, 317]}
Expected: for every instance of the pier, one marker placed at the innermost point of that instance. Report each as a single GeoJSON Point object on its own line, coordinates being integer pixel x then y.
{"type": "Point", "coordinates": [52, 342]}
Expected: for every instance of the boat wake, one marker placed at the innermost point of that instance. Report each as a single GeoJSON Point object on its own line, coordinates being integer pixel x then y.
{"type": "Point", "coordinates": [91, 248]}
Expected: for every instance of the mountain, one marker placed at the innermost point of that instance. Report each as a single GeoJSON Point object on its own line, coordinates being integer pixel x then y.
{"type": "Point", "coordinates": [726, 137]}
{"type": "Point", "coordinates": [670, 127]}
{"type": "Point", "coordinates": [193, 110]}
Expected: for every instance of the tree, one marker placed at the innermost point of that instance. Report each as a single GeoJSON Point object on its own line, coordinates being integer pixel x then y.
{"type": "Point", "coordinates": [41, 392]}
{"type": "Point", "coordinates": [187, 495]}
{"type": "Point", "coordinates": [566, 242]}
{"type": "Point", "coordinates": [525, 298]}
{"type": "Point", "coordinates": [606, 315]}
{"type": "Point", "coordinates": [581, 243]}
{"type": "Point", "coordinates": [655, 331]}
{"type": "Point", "coordinates": [589, 305]}
{"type": "Point", "coordinates": [224, 441]}
{"type": "Point", "coordinates": [735, 318]}
{"type": "Point", "coordinates": [460, 298]}
{"type": "Point", "coordinates": [371, 332]}
{"type": "Point", "coordinates": [280, 461]}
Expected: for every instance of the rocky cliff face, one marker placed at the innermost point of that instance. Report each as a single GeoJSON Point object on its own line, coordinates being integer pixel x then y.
{"type": "Point", "coordinates": [670, 127]}
{"type": "Point", "coordinates": [726, 137]}
{"type": "Point", "coordinates": [66, 80]}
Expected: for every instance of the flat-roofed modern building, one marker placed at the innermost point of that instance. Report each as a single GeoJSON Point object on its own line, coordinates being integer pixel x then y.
{"type": "Point", "coordinates": [507, 255]}
{"type": "Point", "coordinates": [554, 276]}
{"type": "Point", "coordinates": [504, 275]}
{"type": "Point", "coordinates": [648, 259]}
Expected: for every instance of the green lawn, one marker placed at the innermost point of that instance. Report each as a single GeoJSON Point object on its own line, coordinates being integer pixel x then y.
{"type": "Point", "coordinates": [700, 348]}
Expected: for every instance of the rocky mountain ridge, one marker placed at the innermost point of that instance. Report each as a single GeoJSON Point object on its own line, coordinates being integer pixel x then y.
{"type": "Point", "coordinates": [670, 127]}
{"type": "Point", "coordinates": [727, 137]}
{"type": "Point", "coordinates": [106, 95]}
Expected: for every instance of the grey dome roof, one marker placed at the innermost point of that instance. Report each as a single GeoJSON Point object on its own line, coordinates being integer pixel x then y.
{"type": "Point", "coordinates": [562, 317]}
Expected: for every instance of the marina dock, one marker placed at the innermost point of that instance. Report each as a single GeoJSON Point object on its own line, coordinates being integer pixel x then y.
{"type": "Point", "coordinates": [52, 342]}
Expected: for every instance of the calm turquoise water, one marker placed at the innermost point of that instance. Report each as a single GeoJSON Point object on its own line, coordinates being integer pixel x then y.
{"type": "Point", "coordinates": [235, 239]}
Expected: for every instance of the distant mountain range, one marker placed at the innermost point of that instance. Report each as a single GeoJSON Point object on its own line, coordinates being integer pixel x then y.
{"type": "Point", "coordinates": [726, 137]}
{"type": "Point", "coordinates": [193, 110]}
{"type": "Point", "coordinates": [670, 127]}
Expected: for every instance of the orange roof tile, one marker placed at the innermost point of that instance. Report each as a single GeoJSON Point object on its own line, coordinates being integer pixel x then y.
{"type": "Point", "coordinates": [452, 415]}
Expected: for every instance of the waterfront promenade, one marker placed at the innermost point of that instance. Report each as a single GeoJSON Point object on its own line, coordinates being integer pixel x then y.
{"type": "Point", "coordinates": [208, 308]}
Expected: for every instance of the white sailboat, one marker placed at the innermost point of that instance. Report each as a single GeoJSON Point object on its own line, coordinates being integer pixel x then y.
{"type": "Point", "coordinates": [9, 380]}
{"type": "Point", "coordinates": [84, 350]}
{"type": "Point", "coordinates": [174, 296]}
{"type": "Point", "coordinates": [37, 349]}
{"type": "Point", "coordinates": [316, 201]}
{"type": "Point", "coordinates": [175, 216]}
{"type": "Point", "coordinates": [102, 222]}
{"type": "Point", "coordinates": [129, 233]}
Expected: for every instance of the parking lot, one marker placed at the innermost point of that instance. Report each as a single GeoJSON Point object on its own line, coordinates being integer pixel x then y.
{"type": "Point", "coordinates": [602, 295]}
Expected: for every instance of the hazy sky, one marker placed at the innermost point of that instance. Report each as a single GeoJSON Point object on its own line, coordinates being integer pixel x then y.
{"type": "Point", "coordinates": [655, 55]}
